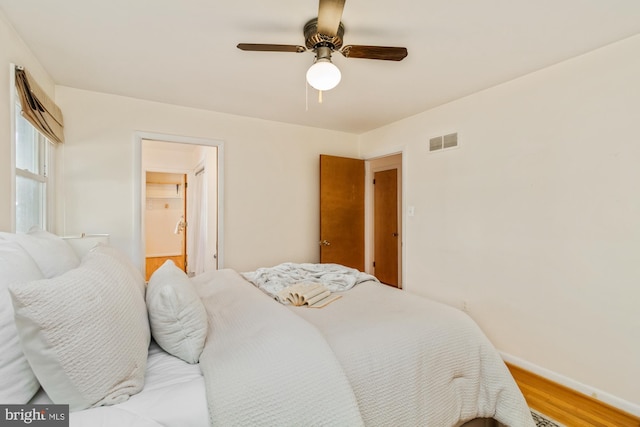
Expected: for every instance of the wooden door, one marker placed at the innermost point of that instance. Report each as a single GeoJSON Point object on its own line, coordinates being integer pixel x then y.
{"type": "Point", "coordinates": [342, 211]}
{"type": "Point", "coordinates": [386, 233]}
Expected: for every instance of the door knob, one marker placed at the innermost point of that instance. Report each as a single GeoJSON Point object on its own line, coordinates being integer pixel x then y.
{"type": "Point", "coordinates": [394, 234]}
{"type": "Point", "coordinates": [325, 243]}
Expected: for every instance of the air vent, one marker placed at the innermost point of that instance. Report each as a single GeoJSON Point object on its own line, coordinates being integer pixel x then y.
{"type": "Point", "coordinates": [435, 143]}
{"type": "Point", "coordinates": [450, 140]}
{"type": "Point", "coordinates": [443, 142]}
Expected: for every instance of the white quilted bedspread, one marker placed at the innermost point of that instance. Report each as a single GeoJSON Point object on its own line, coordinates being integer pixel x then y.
{"type": "Point", "coordinates": [414, 362]}
{"type": "Point", "coordinates": [265, 366]}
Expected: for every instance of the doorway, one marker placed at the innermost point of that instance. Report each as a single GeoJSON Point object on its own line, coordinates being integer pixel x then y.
{"type": "Point", "coordinates": [193, 205]}
{"type": "Point", "coordinates": [357, 215]}
{"type": "Point", "coordinates": [165, 220]}
{"type": "Point", "coordinates": [385, 213]}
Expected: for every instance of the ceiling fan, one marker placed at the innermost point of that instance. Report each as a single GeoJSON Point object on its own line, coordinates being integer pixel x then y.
{"type": "Point", "coordinates": [323, 36]}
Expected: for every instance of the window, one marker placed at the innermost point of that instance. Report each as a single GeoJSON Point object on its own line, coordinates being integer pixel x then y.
{"type": "Point", "coordinates": [34, 189]}
{"type": "Point", "coordinates": [38, 127]}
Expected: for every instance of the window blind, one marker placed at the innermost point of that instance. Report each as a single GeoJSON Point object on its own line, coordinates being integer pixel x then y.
{"type": "Point", "coordinates": [38, 108]}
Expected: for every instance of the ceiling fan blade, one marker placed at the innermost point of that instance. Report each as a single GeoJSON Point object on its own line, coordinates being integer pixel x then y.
{"type": "Point", "coordinates": [258, 47]}
{"type": "Point", "coordinates": [375, 52]}
{"type": "Point", "coordinates": [329, 16]}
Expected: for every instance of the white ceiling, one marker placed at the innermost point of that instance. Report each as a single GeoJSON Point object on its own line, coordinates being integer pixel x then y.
{"type": "Point", "coordinates": [184, 51]}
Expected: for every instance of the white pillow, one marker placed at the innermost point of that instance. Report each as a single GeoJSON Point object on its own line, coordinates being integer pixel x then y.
{"type": "Point", "coordinates": [177, 316]}
{"type": "Point", "coordinates": [52, 254]}
{"type": "Point", "coordinates": [103, 248]}
{"type": "Point", "coordinates": [18, 383]}
{"type": "Point", "coordinates": [85, 333]}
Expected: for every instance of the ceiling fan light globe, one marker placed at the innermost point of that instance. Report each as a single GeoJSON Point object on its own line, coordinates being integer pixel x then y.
{"type": "Point", "coordinates": [323, 75]}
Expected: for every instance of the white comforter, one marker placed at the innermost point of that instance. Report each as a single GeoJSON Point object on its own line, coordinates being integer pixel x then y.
{"type": "Point", "coordinates": [408, 361]}
{"type": "Point", "coordinates": [414, 362]}
{"type": "Point", "coordinates": [265, 366]}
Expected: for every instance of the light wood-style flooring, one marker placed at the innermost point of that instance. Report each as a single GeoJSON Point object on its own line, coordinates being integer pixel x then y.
{"type": "Point", "coordinates": [567, 406]}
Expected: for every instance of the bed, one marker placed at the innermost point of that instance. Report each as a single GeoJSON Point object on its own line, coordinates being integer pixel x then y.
{"type": "Point", "coordinates": [218, 350]}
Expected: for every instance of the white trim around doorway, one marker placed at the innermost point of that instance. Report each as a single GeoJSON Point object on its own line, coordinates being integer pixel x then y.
{"type": "Point", "coordinates": [138, 190]}
{"type": "Point", "coordinates": [368, 214]}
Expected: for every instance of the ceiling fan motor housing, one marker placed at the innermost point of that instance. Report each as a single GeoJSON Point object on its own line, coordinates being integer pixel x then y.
{"type": "Point", "coordinates": [314, 40]}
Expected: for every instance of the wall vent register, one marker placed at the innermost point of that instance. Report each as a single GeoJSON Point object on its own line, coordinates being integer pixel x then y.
{"type": "Point", "coordinates": [443, 142]}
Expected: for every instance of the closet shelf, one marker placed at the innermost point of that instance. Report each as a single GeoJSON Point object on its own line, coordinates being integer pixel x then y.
{"type": "Point", "coordinates": [164, 191]}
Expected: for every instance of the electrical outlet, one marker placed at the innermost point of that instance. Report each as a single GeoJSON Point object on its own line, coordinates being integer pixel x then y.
{"type": "Point", "coordinates": [465, 306]}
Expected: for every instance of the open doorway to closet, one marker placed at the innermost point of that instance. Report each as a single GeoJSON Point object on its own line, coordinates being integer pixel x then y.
{"type": "Point", "coordinates": [180, 209]}
{"type": "Point", "coordinates": [165, 220]}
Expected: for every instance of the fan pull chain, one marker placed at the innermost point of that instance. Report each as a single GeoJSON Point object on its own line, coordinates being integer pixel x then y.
{"type": "Point", "coordinates": [306, 96]}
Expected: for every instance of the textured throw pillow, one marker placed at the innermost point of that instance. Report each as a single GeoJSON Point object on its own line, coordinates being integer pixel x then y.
{"type": "Point", "coordinates": [85, 333]}
{"type": "Point", "coordinates": [102, 248]}
{"type": "Point", "coordinates": [52, 254]}
{"type": "Point", "coordinates": [177, 316]}
{"type": "Point", "coordinates": [18, 383]}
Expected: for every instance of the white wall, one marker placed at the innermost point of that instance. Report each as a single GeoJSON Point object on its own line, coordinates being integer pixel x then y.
{"type": "Point", "coordinates": [535, 219]}
{"type": "Point", "coordinates": [13, 50]}
{"type": "Point", "coordinates": [270, 174]}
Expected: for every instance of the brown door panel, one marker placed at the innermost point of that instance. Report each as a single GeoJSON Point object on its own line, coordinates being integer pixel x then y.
{"type": "Point", "coordinates": [386, 233]}
{"type": "Point", "coordinates": [342, 211]}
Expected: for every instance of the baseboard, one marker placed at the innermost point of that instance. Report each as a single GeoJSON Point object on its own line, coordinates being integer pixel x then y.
{"type": "Point", "coordinates": [567, 401]}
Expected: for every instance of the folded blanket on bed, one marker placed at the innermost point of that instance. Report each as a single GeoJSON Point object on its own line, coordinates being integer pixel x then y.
{"type": "Point", "coordinates": [335, 277]}
{"type": "Point", "coordinates": [265, 366]}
